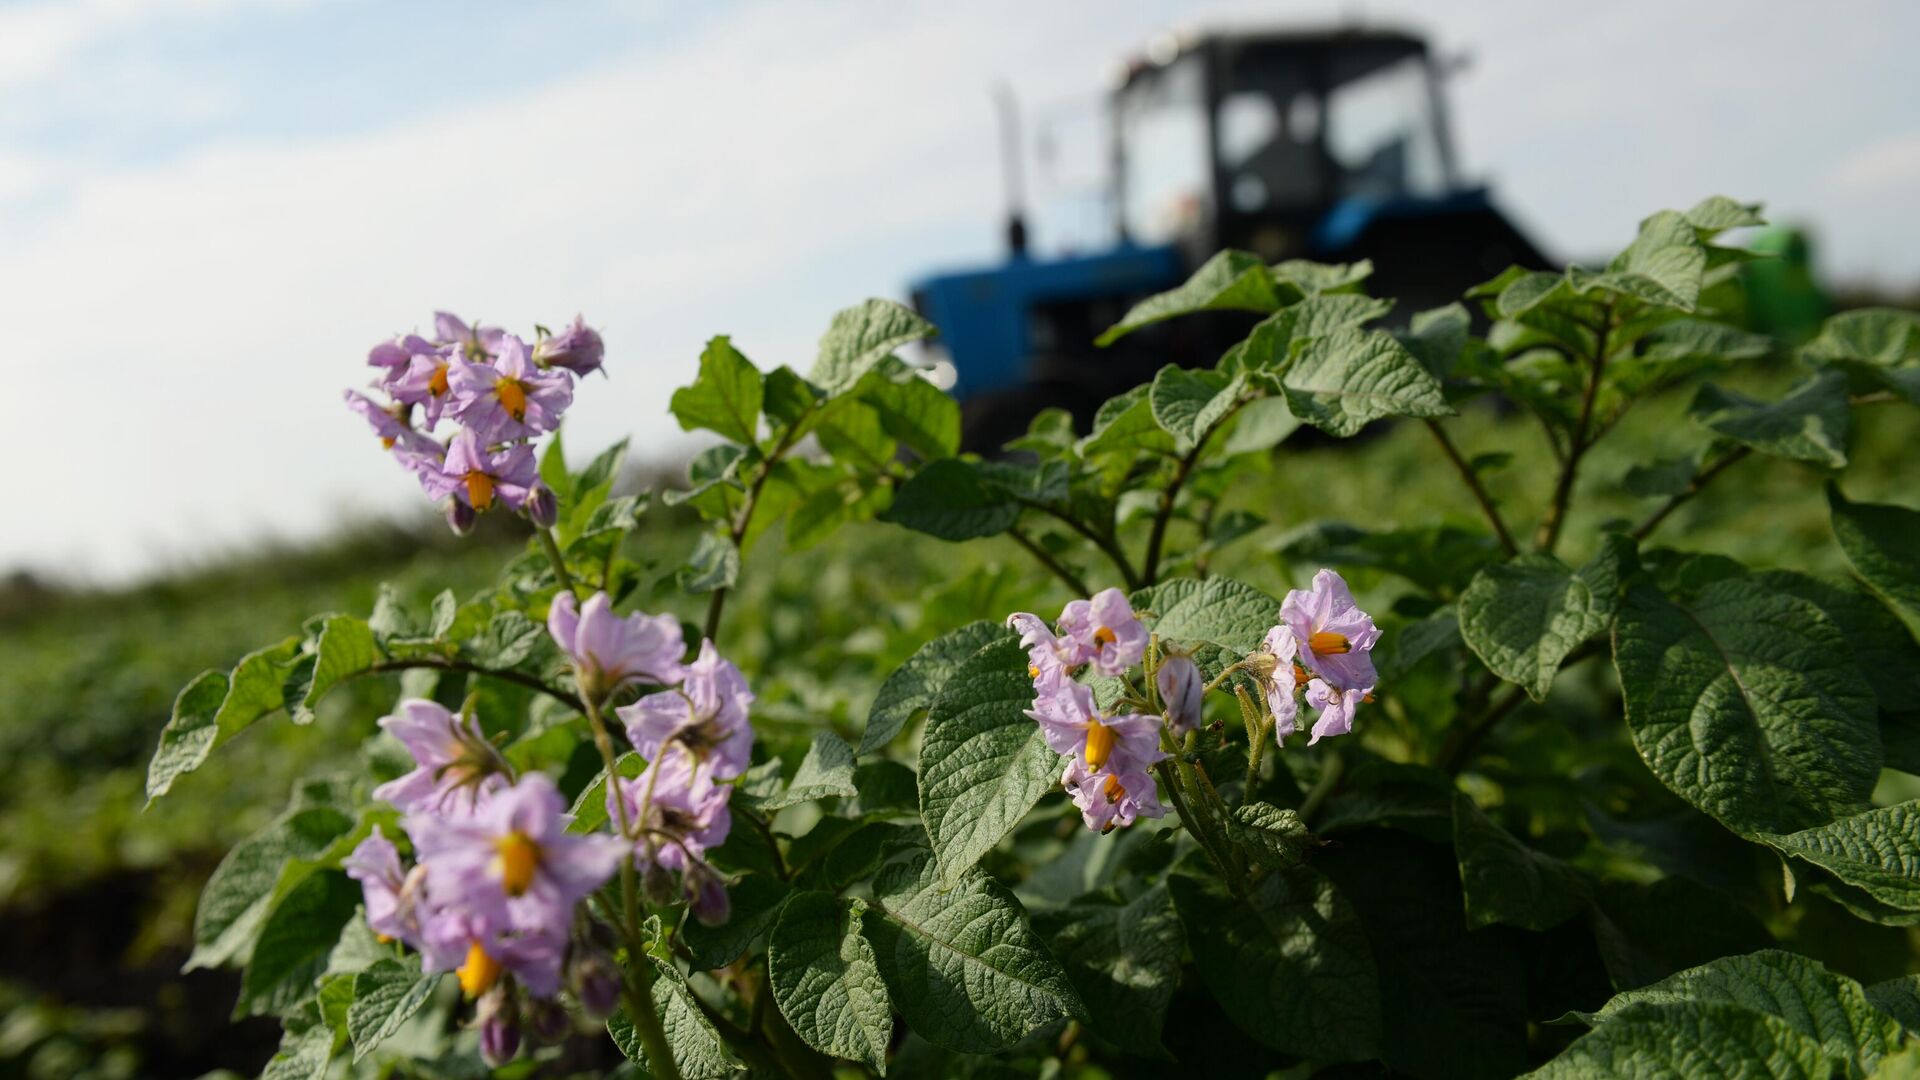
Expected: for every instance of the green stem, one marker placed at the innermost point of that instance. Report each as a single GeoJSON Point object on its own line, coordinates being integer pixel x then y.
{"type": "Point", "coordinates": [503, 674]}
{"type": "Point", "coordinates": [1548, 536]}
{"type": "Point", "coordinates": [1705, 477]}
{"type": "Point", "coordinates": [1102, 541]}
{"type": "Point", "coordinates": [1256, 737]}
{"type": "Point", "coordinates": [1150, 565]}
{"type": "Point", "coordinates": [646, 1022]}
{"type": "Point", "coordinates": [737, 529]}
{"type": "Point", "coordinates": [1465, 469]}
{"type": "Point", "coordinates": [1322, 787]}
{"type": "Point", "coordinates": [1058, 569]}
{"type": "Point", "coordinates": [552, 548]}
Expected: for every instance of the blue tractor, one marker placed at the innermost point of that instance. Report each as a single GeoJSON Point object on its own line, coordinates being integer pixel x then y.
{"type": "Point", "coordinates": [1329, 145]}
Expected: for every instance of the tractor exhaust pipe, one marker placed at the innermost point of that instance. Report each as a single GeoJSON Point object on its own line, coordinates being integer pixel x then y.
{"type": "Point", "coordinates": [1012, 173]}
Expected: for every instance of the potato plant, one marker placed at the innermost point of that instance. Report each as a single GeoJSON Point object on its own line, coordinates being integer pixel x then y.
{"type": "Point", "coordinates": [1543, 794]}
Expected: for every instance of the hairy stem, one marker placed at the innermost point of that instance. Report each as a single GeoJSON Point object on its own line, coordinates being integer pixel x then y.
{"type": "Point", "coordinates": [1054, 565]}
{"type": "Point", "coordinates": [737, 529]}
{"type": "Point", "coordinates": [1103, 541]}
{"type": "Point", "coordinates": [1465, 469]}
{"type": "Point", "coordinates": [1555, 520]}
{"type": "Point", "coordinates": [1150, 566]}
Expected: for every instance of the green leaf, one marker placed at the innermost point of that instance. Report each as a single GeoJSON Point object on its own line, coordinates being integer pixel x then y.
{"type": "Point", "coordinates": [1439, 558]}
{"type": "Point", "coordinates": [1504, 881]}
{"type": "Point", "coordinates": [1889, 659]}
{"type": "Point", "coordinates": [1271, 837]}
{"type": "Point", "coordinates": [594, 481]}
{"type": "Point", "coordinates": [1717, 213]}
{"type": "Point", "coordinates": [1341, 382]}
{"type": "Point", "coordinates": [1883, 544]}
{"type": "Point", "coordinates": [714, 564]}
{"type": "Point", "coordinates": [1877, 852]}
{"type": "Point", "coordinates": [1187, 404]}
{"type": "Point", "coordinates": [1747, 703]}
{"type": "Point", "coordinates": [1809, 424]}
{"type": "Point", "coordinates": [1697, 1039]}
{"type": "Point", "coordinates": [1878, 337]}
{"type": "Point", "coordinates": [1830, 1009]}
{"type": "Point", "coordinates": [952, 500]}
{"type": "Point", "coordinates": [916, 412]}
{"type": "Point", "coordinates": [914, 685]}
{"type": "Point", "coordinates": [755, 902]}
{"type": "Point", "coordinates": [1522, 618]}
{"type": "Point", "coordinates": [510, 638]}
{"type": "Point", "coordinates": [860, 338]}
{"type": "Point", "coordinates": [1225, 612]}
{"type": "Point", "coordinates": [1437, 337]}
{"type": "Point", "coordinates": [385, 996]}
{"type": "Point", "coordinates": [1662, 477]}
{"type": "Point", "coordinates": [851, 431]}
{"type": "Point", "coordinates": [1123, 433]}
{"type": "Point", "coordinates": [790, 400]}
{"type": "Point", "coordinates": [553, 468]}
{"type": "Point", "coordinates": [1289, 964]}
{"type": "Point", "coordinates": [1230, 281]}
{"type": "Point", "coordinates": [235, 900]}
{"type": "Point", "coordinates": [696, 1047]}
{"type": "Point", "coordinates": [1124, 960]}
{"type": "Point", "coordinates": [345, 648]}
{"type": "Point", "coordinates": [295, 938]}
{"type": "Point", "coordinates": [960, 963]}
{"type": "Point", "coordinates": [1260, 425]}
{"type": "Point", "coordinates": [1664, 265]}
{"type": "Point", "coordinates": [725, 397]}
{"type": "Point", "coordinates": [1898, 998]}
{"type": "Point", "coordinates": [983, 762]}
{"type": "Point", "coordinates": [1311, 278]}
{"type": "Point", "coordinates": [826, 981]}
{"type": "Point", "coordinates": [306, 1048]}
{"type": "Point", "coordinates": [1645, 932]}
{"type": "Point", "coordinates": [826, 772]}
{"type": "Point", "coordinates": [214, 708]}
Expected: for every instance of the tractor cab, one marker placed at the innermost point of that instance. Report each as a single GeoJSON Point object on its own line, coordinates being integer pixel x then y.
{"type": "Point", "coordinates": [1327, 145]}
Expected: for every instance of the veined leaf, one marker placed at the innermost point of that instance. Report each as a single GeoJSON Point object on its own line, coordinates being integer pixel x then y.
{"type": "Point", "coordinates": [1883, 544]}
{"type": "Point", "coordinates": [959, 960]}
{"type": "Point", "coordinates": [1230, 281]}
{"type": "Point", "coordinates": [1522, 618]}
{"type": "Point", "coordinates": [215, 707]}
{"type": "Point", "coordinates": [826, 981]}
{"type": "Point", "coordinates": [1746, 703]}
{"type": "Point", "coordinates": [1341, 382]}
{"type": "Point", "coordinates": [860, 338]}
{"type": "Point", "coordinates": [1877, 851]}
{"type": "Point", "coordinates": [1504, 881]}
{"type": "Point", "coordinates": [1228, 613]}
{"type": "Point", "coordinates": [983, 762]}
{"type": "Point", "coordinates": [697, 1048]}
{"type": "Point", "coordinates": [1124, 959]}
{"type": "Point", "coordinates": [725, 397]}
{"type": "Point", "coordinates": [914, 685]}
{"type": "Point", "coordinates": [1697, 1039]}
{"type": "Point", "coordinates": [953, 500]}
{"type": "Point", "coordinates": [384, 997]}
{"type": "Point", "coordinates": [1809, 424]}
{"type": "Point", "coordinates": [826, 771]}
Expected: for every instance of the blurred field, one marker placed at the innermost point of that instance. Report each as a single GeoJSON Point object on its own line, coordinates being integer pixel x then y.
{"type": "Point", "coordinates": [97, 896]}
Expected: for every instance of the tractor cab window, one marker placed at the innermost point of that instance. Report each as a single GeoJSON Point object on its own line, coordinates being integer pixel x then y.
{"type": "Point", "coordinates": [1164, 178]}
{"type": "Point", "coordinates": [1382, 135]}
{"type": "Point", "coordinates": [1268, 130]}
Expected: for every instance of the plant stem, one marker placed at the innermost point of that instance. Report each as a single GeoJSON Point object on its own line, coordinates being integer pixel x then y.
{"type": "Point", "coordinates": [1102, 541]}
{"type": "Point", "coordinates": [559, 561]}
{"type": "Point", "coordinates": [1706, 475]}
{"type": "Point", "coordinates": [1150, 566]}
{"type": "Point", "coordinates": [646, 1022]}
{"type": "Point", "coordinates": [1548, 536]}
{"type": "Point", "coordinates": [1323, 787]}
{"type": "Point", "coordinates": [737, 529]}
{"type": "Point", "coordinates": [503, 674]}
{"type": "Point", "coordinates": [1472, 479]}
{"type": "Point", "coordinates": [1195, 827]}
{"type": "Point", "coordinates": [1454, 756]}
{"type": "Point", "coordinates": [1059, 570]}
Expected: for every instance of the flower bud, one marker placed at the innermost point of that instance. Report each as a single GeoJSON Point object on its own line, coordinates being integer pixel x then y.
{"type": "Point", "coordinates": [595, 982]}
{"type": "Point", "coordinates": [547, 1022]}
{"type": "Point", "coordinates": [1181, 692]}
{"type": "Point", "coordinates": [1260, 664]}
{"type": "Point", "coordinates": [542, 508]}
{"type": "Point", "coordinates": [577, 348]}
{"type": "Point", "coordinates": [460, 517]}
{"type": "Point", "coordinates": [499, 1027]}
{"type": "Point", "coordinates": [707, 895]}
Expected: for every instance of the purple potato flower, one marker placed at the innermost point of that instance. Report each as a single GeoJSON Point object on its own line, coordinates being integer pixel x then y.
{"type": "Point", "coordinates": [1182, 692]}
{"type": "Point", "coordinates": [1283, 685]}
{"type": "Point", "coordinates": [676, 810]}
{"type": "Point", "coordinates": [509, 398]}
{"type": "Point", "coordinates": [1333, 634]}
{"type": "Point", "coordinates": [394, 357]}
{"type": "Point", "coordinates": [1049, 659]}
{"type": "Point", "coordinates": [507, 878]}
{"type": "Point", "coordinates": [1336, 709]}
{"type": "Point", "coordinates": [608, 650]}
{"type": "Point", "coordinates": [577, 348]}
{"type": "Point", "coordinates": [479, 477]}
{"type": "Point", "coordinates": [475, 343]}
{"type": "Point", "coordinates": [424, 382]}
{"type": "Point", "coordinates": [1104, 632]}
{"type": "Point", "coordinates": [1113, 797]}
{"type": "Point", "coordinates": [390, 893]}
{"type": "Point", "coordinates": [453, 762]}
{"type": "Point", "coordinates": [706, 714]}
{"type": "Point", "coordinates": [1071, 725]}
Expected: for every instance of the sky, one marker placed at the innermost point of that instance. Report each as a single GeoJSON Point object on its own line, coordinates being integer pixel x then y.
{"type": "Point", "coordinates": [210, 209]}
